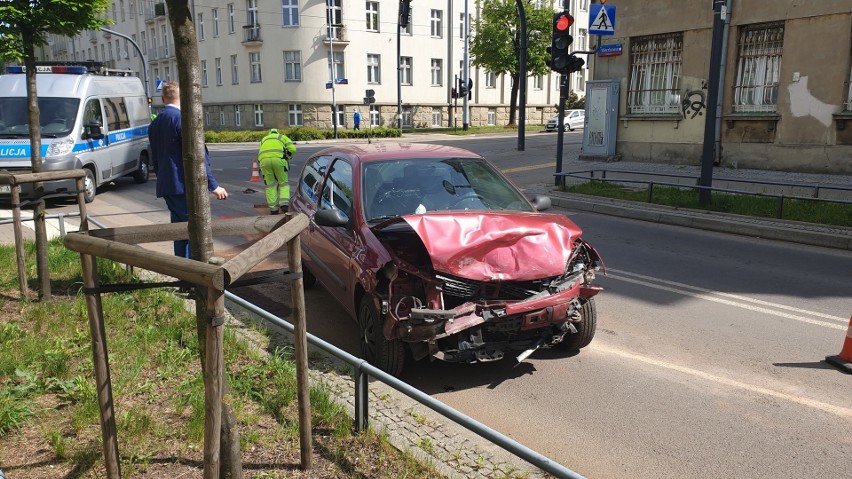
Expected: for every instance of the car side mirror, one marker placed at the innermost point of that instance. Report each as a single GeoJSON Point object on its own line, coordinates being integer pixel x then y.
{"type": "Point", "coordinates": [93, 131]}
{"type": "Point", "coordinates": [331, 217]}
{"type": "Point", "coordinates": [540, 202]}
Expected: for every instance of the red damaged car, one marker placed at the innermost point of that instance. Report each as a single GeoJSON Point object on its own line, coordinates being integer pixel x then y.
{"type": "Point", "coordinates": [431, 249]}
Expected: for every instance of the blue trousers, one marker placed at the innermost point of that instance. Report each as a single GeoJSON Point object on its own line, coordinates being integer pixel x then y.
{"type": "Point", "coordinates": [179, 213]}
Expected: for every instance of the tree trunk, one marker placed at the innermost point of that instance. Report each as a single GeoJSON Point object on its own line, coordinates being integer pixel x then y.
{"type": "Point", "coordinates": [198, 204]}
{"type": "Point", "coordinates": [513, 99]}
{"type": "Point", "coordinates": [35, 158]}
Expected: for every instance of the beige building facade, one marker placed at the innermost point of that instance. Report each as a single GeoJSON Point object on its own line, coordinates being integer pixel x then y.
{"type": "Point", "coordinates": [269, 63]}
{"type": "Point", "coordinates": [786, 94]}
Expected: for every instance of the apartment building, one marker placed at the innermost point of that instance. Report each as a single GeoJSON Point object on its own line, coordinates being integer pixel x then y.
{"type": "Point", "coordinates": [786, 83]}
{"type": "Point", "coordinates": [283, 63]}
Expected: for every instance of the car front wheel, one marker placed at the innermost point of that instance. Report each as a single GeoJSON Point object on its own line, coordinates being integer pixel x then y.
{"type": "Point", "coordinates": [90, 185]}
{"type": "Point", "coordinates": [585, 328]}
{"type": "Point", "coordinates": [387, 355]}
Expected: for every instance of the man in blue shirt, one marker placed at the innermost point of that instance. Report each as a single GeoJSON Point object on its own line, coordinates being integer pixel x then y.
{"type": "Point", "coordinates": [164, 133]}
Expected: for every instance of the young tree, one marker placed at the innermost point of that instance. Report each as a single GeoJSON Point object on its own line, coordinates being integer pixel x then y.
{"type": "Point", "coordinates": [496, 42]}
{"type": "Point", "coordinates": [198, 207]}
{"type": "Point", "coordinates": [25, 25]}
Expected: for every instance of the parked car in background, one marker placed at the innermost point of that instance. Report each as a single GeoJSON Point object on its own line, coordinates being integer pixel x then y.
{"type": "Point", "coordinates": [573, 119]}
{"type": "Point", "coordinates": [431, 249]}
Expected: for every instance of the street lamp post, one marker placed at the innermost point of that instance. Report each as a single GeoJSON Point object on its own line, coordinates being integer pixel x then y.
{"type": "Point", "coordinates": [144, 62]}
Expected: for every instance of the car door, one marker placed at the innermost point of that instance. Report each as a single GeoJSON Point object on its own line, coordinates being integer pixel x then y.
{"type": "Point", "coordinates": [96, 148]}
{"type": "Point", "coordinates": [336, 246]}
{"type": "Point", "coordinates": [121, 154]}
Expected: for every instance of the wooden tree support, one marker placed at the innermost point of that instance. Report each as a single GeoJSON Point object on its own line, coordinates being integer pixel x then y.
{"type": "Point", "coordinates": [116, 244]}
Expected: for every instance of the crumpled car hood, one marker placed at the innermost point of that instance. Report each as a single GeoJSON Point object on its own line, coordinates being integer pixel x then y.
{"type": "Point", "coordinates": [495, 246]}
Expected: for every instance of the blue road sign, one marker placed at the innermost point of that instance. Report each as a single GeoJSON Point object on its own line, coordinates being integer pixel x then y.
{"type": "Point", "coordinates": [160, 84]}
{"type": "Point", "coordinates": [601, 19]}
{"type": "Point", "coordinates": [328, 85]}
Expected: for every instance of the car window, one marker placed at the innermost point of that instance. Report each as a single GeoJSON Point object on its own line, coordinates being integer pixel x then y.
{"type": "Point", "coordinates": [420, 185]}
{"type": "Point", "coordinates": [337, 191]}
{"type": "Point", "coordinates": [311, 179]}
{"type": "Point", "coordinates": [93, 114]}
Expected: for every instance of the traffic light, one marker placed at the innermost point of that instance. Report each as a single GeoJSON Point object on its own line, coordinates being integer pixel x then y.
{"type": "Point", "coordinates": [575, 63]}
{"type": "Point", "coordinates": [562, 40]}
{"type": "Point", "coordinates": [404, 13]}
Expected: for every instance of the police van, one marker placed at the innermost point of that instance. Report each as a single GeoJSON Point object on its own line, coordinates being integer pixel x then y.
{"type": "Point", "coordinates": [91, 118]}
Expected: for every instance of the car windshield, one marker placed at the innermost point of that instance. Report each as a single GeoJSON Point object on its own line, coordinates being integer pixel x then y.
{"type": "Point", "coordinates": [403, 187]}
{"type": "Point", "coordinates": [57, 116]}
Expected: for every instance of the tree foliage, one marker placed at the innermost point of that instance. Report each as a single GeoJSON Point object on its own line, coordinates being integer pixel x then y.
{"type": "Point", "coordinates": [35, 19]}
{"type": "Point", "coordinates": [496, 40]}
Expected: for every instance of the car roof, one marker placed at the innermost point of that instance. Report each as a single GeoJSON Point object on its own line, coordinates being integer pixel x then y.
{"type": "Point", "coordinates": [381, 151]}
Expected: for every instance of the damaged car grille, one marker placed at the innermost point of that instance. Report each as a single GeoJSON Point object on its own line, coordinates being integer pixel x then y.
{"type": "Point", "coordinates": [503, 290]}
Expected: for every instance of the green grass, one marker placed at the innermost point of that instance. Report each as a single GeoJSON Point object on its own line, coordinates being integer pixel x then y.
{"type": "Point", "coordinates": [48, 394]}
{"type": "Point", "coordinates": [819, 212]}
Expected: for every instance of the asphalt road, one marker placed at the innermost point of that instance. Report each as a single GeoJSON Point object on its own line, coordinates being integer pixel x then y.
{"type": "Point", "coordinates": [707, 361]}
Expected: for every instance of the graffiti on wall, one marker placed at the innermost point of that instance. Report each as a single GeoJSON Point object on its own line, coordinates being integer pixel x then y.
{"type": "Point", "coordinates": [693, 103]}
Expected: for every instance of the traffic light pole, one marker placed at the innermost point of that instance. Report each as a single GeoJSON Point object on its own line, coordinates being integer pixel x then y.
{"type": "Point", "coordinates": [560, 129]}
{"type": "Point", "coordinates": [707, 153]}
{"type": "Point", "coordinates": [466, 74]}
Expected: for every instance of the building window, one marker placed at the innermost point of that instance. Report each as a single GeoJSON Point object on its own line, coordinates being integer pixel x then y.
{"type": "Point", "coordinates": [848, 106]}
{"type": "Point", "coordinates": [168, 71]}
{"type": "Point", "coordinates": [436, 117]}
{"type": "Point", "coordinates": [133, 37]}
{"type": "Point", "coordinates": [290, 13]}
{"type": "Point", "coordinates": [406, 119]}
{"type": "Point", "coordinates": [206, 118]}
{"type": "Point", "coordinates": [580, 43]}
{"type": "Point", "coordinates": [251, 12]}
{"type": "Point", "coordinates": [294, 116]}
{"type": "Point", "coordinates": [221, 117]}
{"type": "Point", "coordinates": [583, 5]}
{"type": "Point", "coordinates": [405, 70]}
{"type": "Point", "coordinates": [336, 67]}
{"type": "Point", "coordinates": [232, 24]}
{"type": "Point", "coordinates": [461, 25]}
{"type": "Point", "coordinates": [121, 3]}
{"type": "Point", "coordinates": [215, 22]}
{"type": "Point", "coordinates": [758, 67]}
{"type": "Point", "coordinates": [373, 72]}
{"type": "Point", "coordinates": [372, 16]}
{"type": "Point", "coordinates": [254, 61]}
{"type": "Point", "coordinates": [235, 74]}
{"type": "Point", "coordinates": [334, 12]}
{"type": "Point", "coordinates": [218, 65]}
{"type": "Point", "coordinates": [406, 30]}
{"type": "Point", "coordinates": [374, 115]}
{"type": "Point", "coordinates": [165, 33]}
{"type": "Point", "coordinates": [201, 26]}
{"type": "Point", "coordinates": [292, 65]}
{"type": "Point", "coordinates": [538, 81]}
{"type": "Point", "coordinates": [491, 119]}
{"type": "Point", "coordinates": [204, 73]}
{"type": "Point", "coordinates": [655, 74]}
{"type": "Point", "coordinates": [237, 118]}
{"type": "Point", "coordinates": [341, 116]}
{"type": "Point", "coordinates": [258, 115]}
{"type": "Point", "coordinates": [437, 17]}
{"type": "Point", "coordinates": [490, 80]}
{"type": "Point", "coordinates": [437, 69]}
{"type": "Point", "coordinates": [580, 81]}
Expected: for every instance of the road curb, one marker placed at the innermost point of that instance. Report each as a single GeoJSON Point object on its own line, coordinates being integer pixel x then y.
{"type": "Point", "coordinates": [781, 230]}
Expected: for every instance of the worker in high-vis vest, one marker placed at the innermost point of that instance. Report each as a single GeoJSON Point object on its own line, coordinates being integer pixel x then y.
{"type": "Point", "coordinates": [274, 155]}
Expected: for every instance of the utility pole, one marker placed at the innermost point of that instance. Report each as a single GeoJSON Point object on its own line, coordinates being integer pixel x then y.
{"type": "Point", "coordinates": [466, 73]}
{"type": "Point", "coordinates": [522, 74]}
{"type": "Point", "coordinates": [707, 153]}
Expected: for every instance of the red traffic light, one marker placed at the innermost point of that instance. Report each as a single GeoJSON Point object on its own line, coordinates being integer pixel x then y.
{"type": "Point", "coordinates": [564, 22]}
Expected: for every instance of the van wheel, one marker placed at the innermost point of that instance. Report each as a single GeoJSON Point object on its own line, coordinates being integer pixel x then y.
{"type": "Point", "coordinates": [141, 175]}
{"type": "Point", "coordinates": [387, 355]}
{"type": "Point", "coordinates": [89, 185]}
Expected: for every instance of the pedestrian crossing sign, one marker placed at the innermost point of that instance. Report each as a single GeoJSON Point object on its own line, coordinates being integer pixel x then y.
{"type": "Point", "coordinates": [601, 19]}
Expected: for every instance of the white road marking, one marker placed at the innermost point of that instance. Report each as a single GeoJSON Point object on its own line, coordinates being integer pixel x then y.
{"type": "Point", "coordinates": [812, 403]}
{"type": "Point", "coordinates": [719, 297]}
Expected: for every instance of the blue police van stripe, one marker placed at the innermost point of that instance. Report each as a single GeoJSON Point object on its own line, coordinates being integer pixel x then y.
{"type": "Point", "coordinates": [22, 151]}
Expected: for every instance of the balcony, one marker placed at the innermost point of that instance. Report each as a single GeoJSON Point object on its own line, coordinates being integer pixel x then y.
{"type": "Point", "coordinates": [153, 54]}
{"type": "Point", "coordinates": [336, 34]}
{"type": "Point", "coordinates": [158, 10]}
{"type": "Point", "coordinates": [251, 35]}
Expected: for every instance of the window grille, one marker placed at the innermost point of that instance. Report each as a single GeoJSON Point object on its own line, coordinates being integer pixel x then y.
{"type": "Point", "coordinates": [655, 74]}
{"type": "Point", "coordinates": [758, 67]}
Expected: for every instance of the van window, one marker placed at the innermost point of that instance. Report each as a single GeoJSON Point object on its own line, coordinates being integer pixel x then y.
{"type": "Point", "coordinates": [57, 116]}
{"type": "Point", "coordinates": [116, 113]}
{"type": "Point", "coordinates": [93, 113]}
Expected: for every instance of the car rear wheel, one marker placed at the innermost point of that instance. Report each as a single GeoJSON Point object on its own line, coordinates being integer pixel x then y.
{"type": "Point", "coordinates": [585, 328]}
{"type": "Point", "coordinates": [387, 355]}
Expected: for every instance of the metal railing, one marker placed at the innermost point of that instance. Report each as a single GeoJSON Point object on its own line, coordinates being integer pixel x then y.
{"type": "Point", "coordinates": [364, 370]}
{"type": "Point", "coordinates": [56, 216]}
{"type": "Point", "coordinates": [816, 188]}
